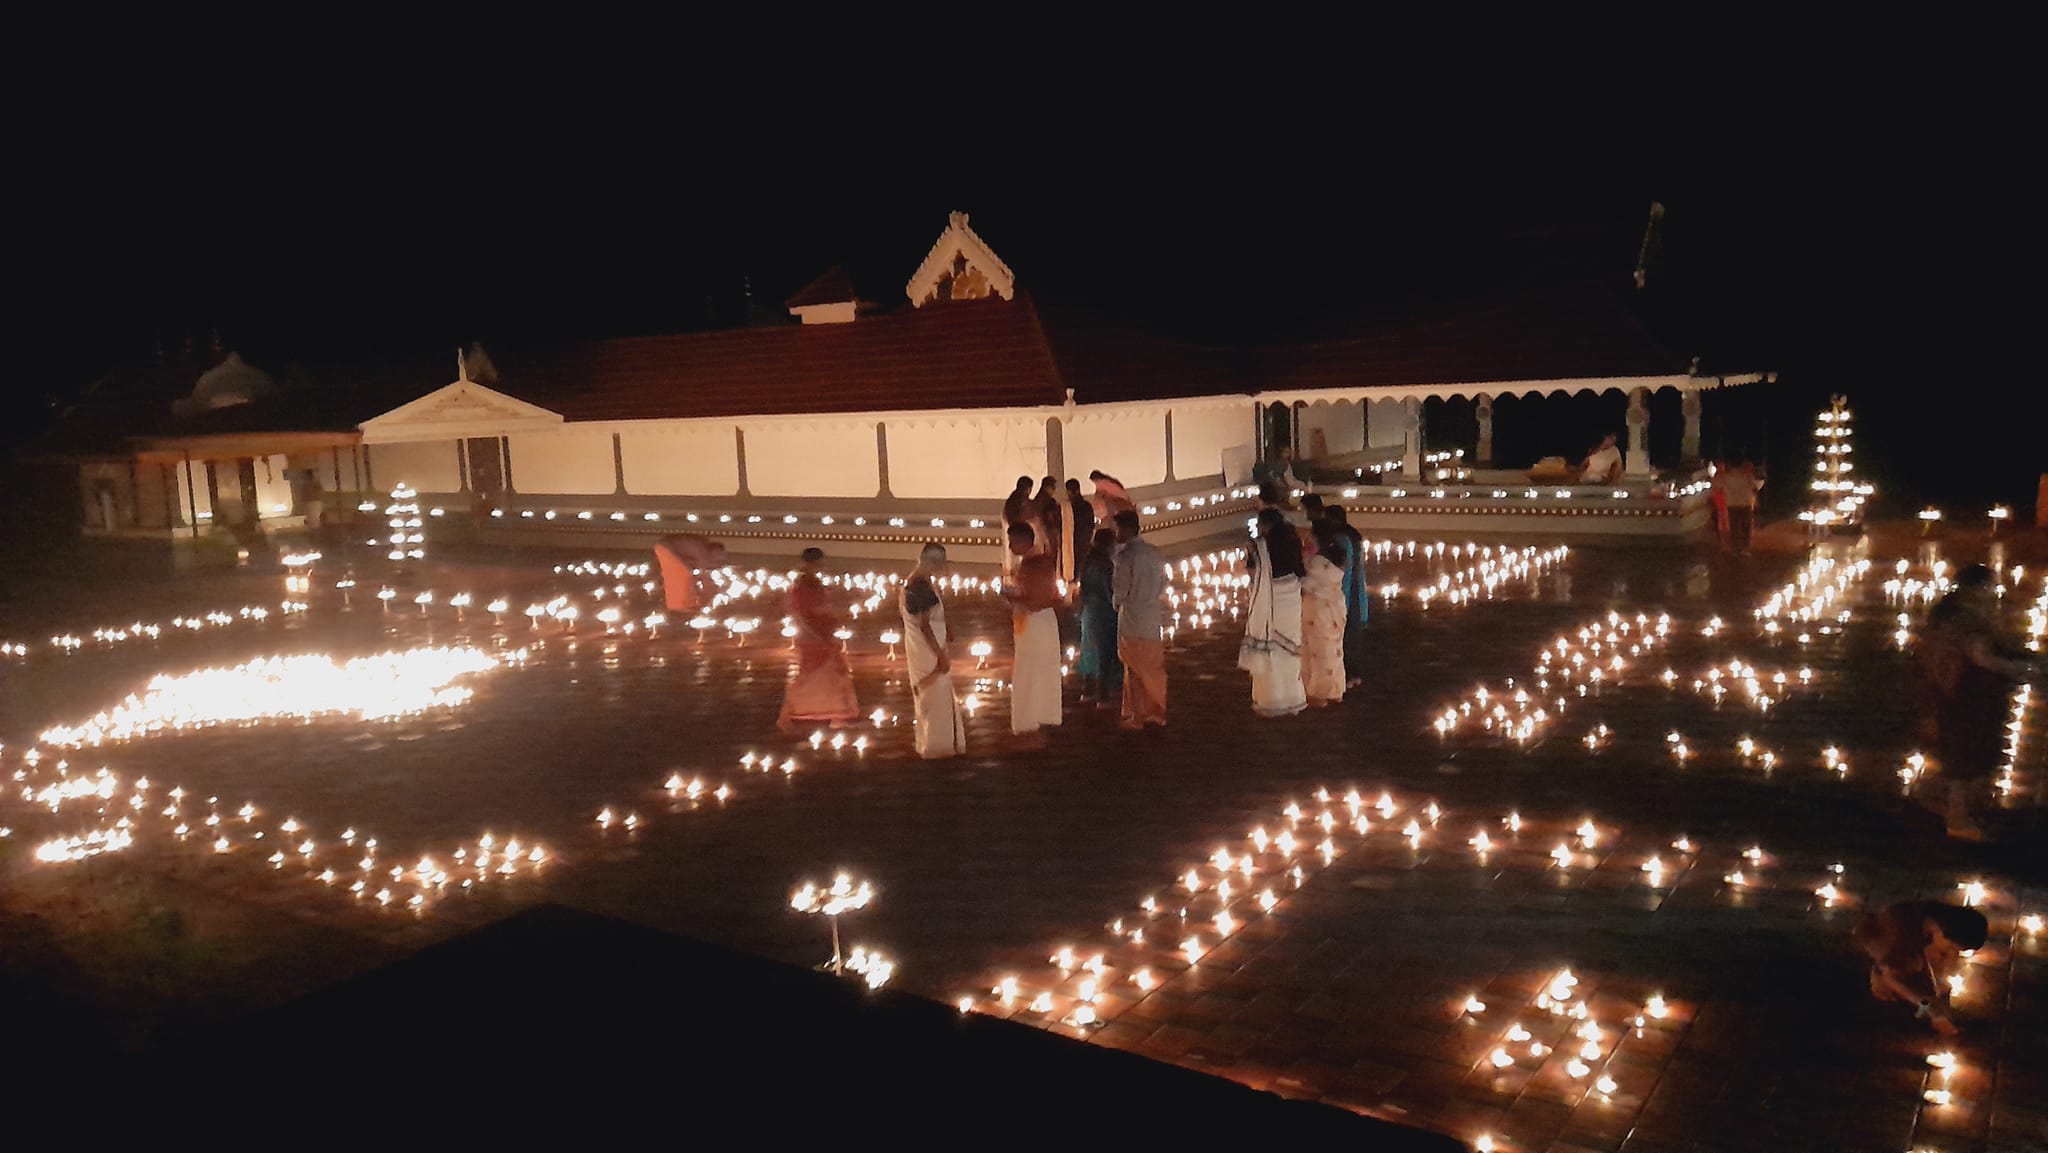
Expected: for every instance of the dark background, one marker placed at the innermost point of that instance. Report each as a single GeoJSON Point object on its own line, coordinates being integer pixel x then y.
{"type": "Point", "coordinates": [1867, 234]}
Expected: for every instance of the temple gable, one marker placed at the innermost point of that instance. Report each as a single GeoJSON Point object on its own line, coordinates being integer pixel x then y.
{"type": "Point", "coordinates": [960, 266]}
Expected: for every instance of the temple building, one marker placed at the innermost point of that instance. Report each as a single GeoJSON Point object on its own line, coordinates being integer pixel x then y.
{"type": "Point", "coordinates": [871, 426]}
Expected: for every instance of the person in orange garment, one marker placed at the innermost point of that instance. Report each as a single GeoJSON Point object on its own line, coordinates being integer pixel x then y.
{"type": "Point", "coordinates": [822, 688]}
{"type": "Point", "coordinates": [687, 563]}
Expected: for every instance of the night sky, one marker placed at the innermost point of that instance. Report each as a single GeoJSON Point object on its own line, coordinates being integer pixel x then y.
{"type": "Point", "coordinates": [1851, 245]}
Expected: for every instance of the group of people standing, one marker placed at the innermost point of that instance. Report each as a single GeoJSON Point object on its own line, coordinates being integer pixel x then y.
{"type": "Point", "coordinates": [1061, 549]}
{"type": "Point", "coordinates": [1121, 586]}
{"type": "Point", "coordinates": [1733, 493]}
{"type": "Point", "coordinates": [1305, 627]}
{"type": "Point", "coordinates": [1063, 521]}
{"type": "Point", "coordinates": [820, 690]}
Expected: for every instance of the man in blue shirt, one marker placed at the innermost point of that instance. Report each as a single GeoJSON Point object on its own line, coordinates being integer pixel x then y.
{"type": "Point", "coordinates": [1138, 589]}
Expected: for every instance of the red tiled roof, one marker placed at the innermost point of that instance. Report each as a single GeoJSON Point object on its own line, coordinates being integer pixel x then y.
{"type": "Point", "coordinates": [1104, 363]}
{"type": "Point", "coordinates": [996, 354]}
{"type": "Point", "coordinates": [967, 354]}
{"type": "Point", "coordinates": [1568, 333]}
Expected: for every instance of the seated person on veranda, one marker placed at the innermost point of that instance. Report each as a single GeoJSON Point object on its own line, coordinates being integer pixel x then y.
{"type": "Point", "coordinates": [1603, 464]}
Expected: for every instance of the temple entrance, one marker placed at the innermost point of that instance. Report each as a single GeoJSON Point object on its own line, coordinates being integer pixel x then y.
{"type": "Point", "coordinates": [245, 472]}
{"type": "Point", "coordinates": [486, 469]}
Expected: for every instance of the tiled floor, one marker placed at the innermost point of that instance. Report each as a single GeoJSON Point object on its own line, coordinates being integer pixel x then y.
{"type": "Point", "coordinates": [1351, 987]}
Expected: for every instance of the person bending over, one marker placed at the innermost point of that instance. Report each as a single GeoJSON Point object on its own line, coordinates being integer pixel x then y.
{"type": "Point", "coordinates": [1914, 948]}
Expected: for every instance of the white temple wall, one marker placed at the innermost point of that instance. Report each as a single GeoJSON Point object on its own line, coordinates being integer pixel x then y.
{"type": "Point", "coordinates": [322, 465]}
{"type": "Point", "coordinates": [1127, 443]}
{"type": "Point", "coordinates": [572, 461]}
{"type": "Point", "coordinates": [153, 500]}
{"type": "Point", "coordinates": [1200, 435]}
{"type": "Point", "coordinates": [681, 458]}
{"type": "Point", "coordinates": [1341, 423]}
{"type": "Point", "coordinates": [191, 482]}
{"type": "Point", "coordinates": [119, 506]}
{"type": "Point", "coordinates": [273, 487]}
{"type": "Point", "coordinates": [812, 458]}
{"type": "Point", "coordinates": [227, 491]}
{"type": "Point", "coordinates": [428, 466]}
{"type": "Point", "coordinates": [964, 455]}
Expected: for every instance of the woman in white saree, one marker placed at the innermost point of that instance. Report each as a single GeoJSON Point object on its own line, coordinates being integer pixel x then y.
{"type": "Point", "coordinates": [1271, 651]}
{"type": "Point", "coordinates": [940, 731]}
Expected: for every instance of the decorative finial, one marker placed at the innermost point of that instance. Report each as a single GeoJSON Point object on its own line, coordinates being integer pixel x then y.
{"type": "Point", "coordinates": [461, 367]}
{"type": "Point", "coordinates": [959, 220]}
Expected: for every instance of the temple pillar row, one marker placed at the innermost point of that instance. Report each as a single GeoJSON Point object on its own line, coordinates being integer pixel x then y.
{"type": "Point", "coordinates": [1411, 436]}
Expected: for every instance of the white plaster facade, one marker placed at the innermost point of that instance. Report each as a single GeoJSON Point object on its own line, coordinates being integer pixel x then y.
{"type": "Point", "coordinates": [679, 458]}
{"type": "Point", "coordinates": [938, 468]}
{"type": "Point", "coordinates": [964, 454]}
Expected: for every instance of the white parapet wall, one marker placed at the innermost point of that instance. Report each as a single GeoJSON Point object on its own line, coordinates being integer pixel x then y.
{"type": "Point", "coordinates": [1204, 430]}
{"type": "Point", "coordinates": [572, 459]}
{"type": "Point", "coordinates": [429, 466]}
{"type": "Point", "coordinates": [1126, 441]}
{"type": "Point", "coordinates": [812, 457]}
{"type": "Point", "coordinates": [964, 454]}
{"type": "Point", "coordinates": [680, 458]}
{"type": "Point", "coordinates": [880, 483]}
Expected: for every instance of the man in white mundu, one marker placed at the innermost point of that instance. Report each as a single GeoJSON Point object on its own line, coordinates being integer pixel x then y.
{"type": "Point", "coordinates": [1033, 590]}
{"type": "Point", "coordinates": [940, 732]}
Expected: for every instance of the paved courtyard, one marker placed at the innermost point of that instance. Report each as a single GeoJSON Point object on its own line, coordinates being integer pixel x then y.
{"type": "Point", "coordinates": [1622, 926]}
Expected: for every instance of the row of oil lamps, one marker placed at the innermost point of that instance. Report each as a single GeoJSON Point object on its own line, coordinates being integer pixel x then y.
{"type": "Point", "coordinates": [293, 844]}
{"type": "Point", "coordinates": [1486, 567]}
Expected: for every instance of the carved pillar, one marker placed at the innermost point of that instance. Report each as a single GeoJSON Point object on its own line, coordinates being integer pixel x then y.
{"type": "Point", "coordinates": [1055, 448]}
{"type": "Point", "coordinates": [191, 496]}
{"type": "Point", "coordinates": [882, 457]}
{"type": "Point", "coordinates": [1483, 406]}
{"type": "Point", "coordinates": [505, 462]}
{"type": "Point", "coordinates": [1411, 436]}
{"type": "Point", "coordinates": [168, 478]}
{"type": "Point", "coordinates": [618, 466]}
{"type": "Point", "coordinates": [739, 447]}
{"type": "Point", "coordinates": [462, 465]}
{"type": "Point", "coordinates": [1169, 444]}
{"type": "Point", "coordinates": [1689, 448]}
{"type": "Point", "coordinates": [1638, 463]}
